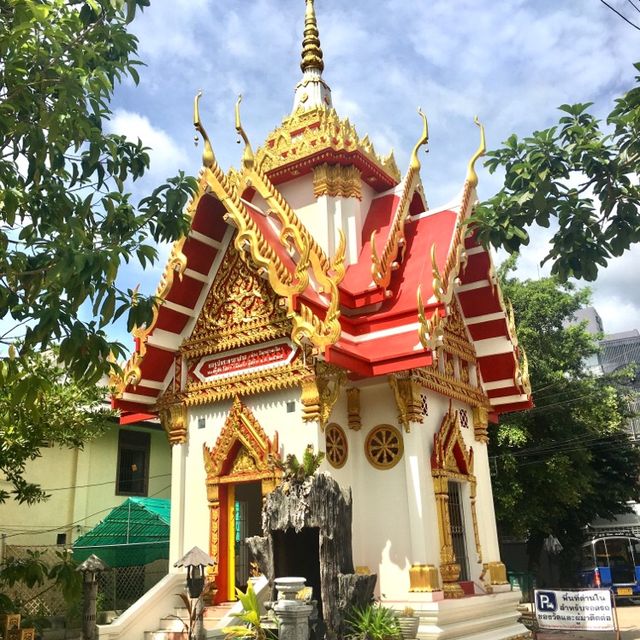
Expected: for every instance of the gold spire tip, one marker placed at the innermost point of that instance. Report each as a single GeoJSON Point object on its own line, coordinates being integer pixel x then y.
{"type": "Point", "coordinates": [472, 176]}
{"type": "Point", "coordinates": [247, 156]}
{"type": "Point", "coordinates": [311, 51]}
{"type": "Point", "coordinates": [208, 157]}
{"type": "Point", "coordinates": [424, 138]}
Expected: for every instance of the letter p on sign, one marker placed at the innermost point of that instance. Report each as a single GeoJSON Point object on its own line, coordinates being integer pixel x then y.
{"type": "Point", "coordinates": [546, 601]}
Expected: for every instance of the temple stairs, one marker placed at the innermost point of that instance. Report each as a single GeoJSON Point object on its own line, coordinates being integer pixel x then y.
{"type": "Point", "coordinates": [172, 627]}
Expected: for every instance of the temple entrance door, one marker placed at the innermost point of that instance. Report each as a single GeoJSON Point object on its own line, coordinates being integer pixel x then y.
{"type": "Point", "coordinates": [298, 554]}
{"type": "Point", "coordinates": [245, 520]}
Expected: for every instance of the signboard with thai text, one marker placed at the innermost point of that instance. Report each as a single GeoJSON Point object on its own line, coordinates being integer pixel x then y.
{"type": "Point", "coordinates": [242, 361]}
{"type": "Point", "coordinates": [584, 610]}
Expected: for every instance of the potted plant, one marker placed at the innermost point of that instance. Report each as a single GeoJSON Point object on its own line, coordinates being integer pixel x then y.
{"type": "Point", "coordinates": [408, 622]}
{"type": "Point", "coordinates": [372, 622]}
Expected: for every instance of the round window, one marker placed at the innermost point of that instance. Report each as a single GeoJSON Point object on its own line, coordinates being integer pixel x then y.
{"type": "Point", "coordinates": [336, 445]}
{"type": "Point", "coordinates": [384, 446]}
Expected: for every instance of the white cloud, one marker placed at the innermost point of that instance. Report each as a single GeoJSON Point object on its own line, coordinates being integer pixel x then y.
{"type": "Point", "coordinates": [511, 62]}
{"type": "Point", "coordinates": [166, 156]}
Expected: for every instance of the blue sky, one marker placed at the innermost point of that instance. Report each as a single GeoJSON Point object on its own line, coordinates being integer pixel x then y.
{"type": "Point", "coordinates": [510, 62]}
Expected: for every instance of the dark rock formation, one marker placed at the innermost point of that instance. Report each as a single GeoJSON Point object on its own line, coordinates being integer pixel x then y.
{"type": "Point", "coordinates": [317, 503]}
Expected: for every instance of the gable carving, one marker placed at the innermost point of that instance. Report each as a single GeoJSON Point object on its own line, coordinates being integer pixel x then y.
{"type": "Point", "coordinates": [450, 455]}
{"type": "Point", "coordinates": [240, 309]}
{"type": "Point", "coordinates": [242, 448]}
{"type": "Point", "coordinates": [456, 339]}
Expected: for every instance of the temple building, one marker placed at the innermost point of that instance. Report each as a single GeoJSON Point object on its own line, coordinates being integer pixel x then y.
{"type": "Point", "coordinates": [318, 300]}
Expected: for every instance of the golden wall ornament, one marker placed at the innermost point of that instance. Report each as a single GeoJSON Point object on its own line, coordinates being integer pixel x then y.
{"type": "Point", "coordinates": [308, 132]}
{"type": "Point", "coordinates": [320, 393]}
{"type": "Point", "coordinates": [383, 264]}
{"type": "Point", "coordinates": [310, 398]}
{"type": "Point", "coordinates": [353, 409]}
{"type": "Point", "coordinates": [481, 424]}
{"type": "Point", "coordinates": [337, 181]}
{"type": "Point", "coordinates": [384, 446]}
{"type": "Point", "coordinates": [498, 573]}
{"type": "Point", "coordinates": [173, 418]}
{"type": "Point", "coordinates": [451, 460]}
{"type": "Point", "coordinates": [242, 453]}
{"type": "Point", "coordinates": [408, 401]}
{"type": "Point", "coordinates": [456, 336]}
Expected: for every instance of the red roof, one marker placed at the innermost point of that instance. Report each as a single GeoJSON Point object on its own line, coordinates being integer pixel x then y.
{"type": "Point", "coordinates": [379, 329]}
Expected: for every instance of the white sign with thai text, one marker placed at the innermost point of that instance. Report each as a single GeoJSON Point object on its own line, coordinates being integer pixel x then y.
{"type": "Point", "coordinates": [587, 610]}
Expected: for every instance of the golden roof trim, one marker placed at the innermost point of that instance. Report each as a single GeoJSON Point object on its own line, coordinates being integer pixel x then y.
{"type": "Point", "coordinates": [382, 265]}
{"type": "Point", "coordinates": [310, 131]}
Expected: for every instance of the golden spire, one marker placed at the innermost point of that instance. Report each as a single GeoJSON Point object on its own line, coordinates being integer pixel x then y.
{"type": "Point", "coordinates": [311, 51]}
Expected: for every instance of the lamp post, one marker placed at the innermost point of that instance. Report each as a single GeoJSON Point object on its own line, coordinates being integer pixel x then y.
{"type": "Point", "coordinates": [90, 570]}
{"type": "Point", "coordinates": [195, 562]}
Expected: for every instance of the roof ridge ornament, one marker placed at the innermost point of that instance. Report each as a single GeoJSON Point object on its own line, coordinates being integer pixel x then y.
{"type": "Point", "coordinates": [472, 176]}
{"type": "Point", "coordinates": [382, 264]}
{"type": "Point", "coordinates": [247, 156]}
{"type": "Point", "coordinates": [311, 50]}
{"type": "Point", "coordinates": [208, 157]}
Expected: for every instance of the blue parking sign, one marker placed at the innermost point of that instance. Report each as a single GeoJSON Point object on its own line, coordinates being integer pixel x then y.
{"type": "Point", "coordinates": [546, 601]}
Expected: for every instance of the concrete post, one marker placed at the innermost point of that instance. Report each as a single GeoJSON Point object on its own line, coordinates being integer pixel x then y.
{"type": "Point", "coordinates": [292, 614]}
{"type": "Point", "coordinates": [90, 588]}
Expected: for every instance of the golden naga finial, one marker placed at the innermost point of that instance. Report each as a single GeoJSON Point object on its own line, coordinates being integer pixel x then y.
{"type": "Point", "coordinates": [311, 51]}
{"type": "Point", "coordinates": [247, 156]}
{"type": "Point", "coordinates": [424, 138]}
{"type": "Point", "coordinates": [208, 157]}
{"type": "Point", "coordinates": [472, 176]}
{"type": "Point", "coordinates": [431, 331]}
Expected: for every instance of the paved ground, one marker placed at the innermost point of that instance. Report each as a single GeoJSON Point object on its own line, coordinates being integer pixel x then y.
{"type": "Point", "coordinates": [628, 619]}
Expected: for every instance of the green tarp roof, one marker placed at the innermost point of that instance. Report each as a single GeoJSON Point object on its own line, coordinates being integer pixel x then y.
{"type": "Point", "coordinates": [134, 533]}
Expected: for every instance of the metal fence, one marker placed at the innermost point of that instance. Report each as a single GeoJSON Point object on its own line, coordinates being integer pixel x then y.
{"type": "Point", "coordinates": [118, 588]}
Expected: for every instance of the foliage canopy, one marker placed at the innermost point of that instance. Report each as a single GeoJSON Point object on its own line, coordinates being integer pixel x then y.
{"type": "Point", "coordinates": [54, 409]}
{"type": "Point", "coordinates": [580, 177]}
{"type": "Point", "coordinates": [569, 459]}
{"type": "Point", "coordinates": [67, 221]}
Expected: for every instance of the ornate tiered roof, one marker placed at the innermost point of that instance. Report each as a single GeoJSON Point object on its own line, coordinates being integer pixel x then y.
{"type": "Point", "coordinates": [420, 293]}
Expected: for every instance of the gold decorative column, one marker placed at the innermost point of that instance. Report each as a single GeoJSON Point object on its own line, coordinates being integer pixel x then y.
{"type": "Point", "coordinates": [474, 516]}
{"type": "Point", "coordinates": [310, 399]}
{"type": "Point", "coordinates": [353, 409]}
{"type": "Point", "coordinates": [173, 418]}
{"type": "Point", "coordinates": [213, 497]}
{"type": "Point", "coordinates": [481, 424]}
{"type": "Point", "coordinates": [498, 573]}
{"type": "Point", "coordinates": [423, 578]}
{"type": "Point", "coordinates": [408, 401]}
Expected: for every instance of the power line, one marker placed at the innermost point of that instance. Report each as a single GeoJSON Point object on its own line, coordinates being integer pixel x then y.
{"type": "Point", "coordinates": [71, 524]}
{"type": "Point", "coordinates": [634, 5]}
{"type": "Point", "coordinates": [635, 26]}
{"type": "Point", "coordinates": [101, 484]}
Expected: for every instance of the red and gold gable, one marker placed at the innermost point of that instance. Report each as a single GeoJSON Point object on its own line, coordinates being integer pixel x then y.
{"type": "Point", "coordinates": [240, 309]}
